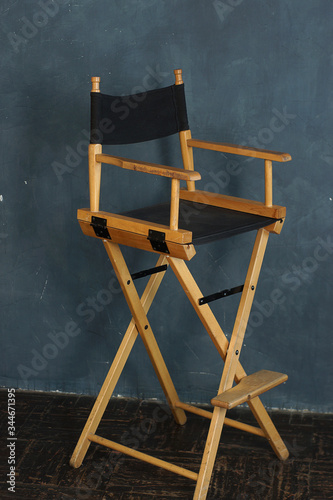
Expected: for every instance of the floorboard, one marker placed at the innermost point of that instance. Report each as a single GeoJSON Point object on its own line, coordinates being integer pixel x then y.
{"type": "Point", "coordinates": [48, 426]}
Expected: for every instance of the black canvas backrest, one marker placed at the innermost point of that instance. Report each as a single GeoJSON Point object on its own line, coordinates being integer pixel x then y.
{"type": "Point", "coordinates": [138, 117]}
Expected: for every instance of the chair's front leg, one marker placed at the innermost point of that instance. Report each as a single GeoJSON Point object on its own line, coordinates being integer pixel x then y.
{"type": "Point", "coordinates": [115, 371]}
{"type": "Point", "coordinates": [143, 326]}
{"type": "Point", "coordinates": [209, 454]}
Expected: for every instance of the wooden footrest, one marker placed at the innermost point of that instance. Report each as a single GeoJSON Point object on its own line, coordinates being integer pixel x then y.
{"type": "Point", "coordinates": [249, 387]}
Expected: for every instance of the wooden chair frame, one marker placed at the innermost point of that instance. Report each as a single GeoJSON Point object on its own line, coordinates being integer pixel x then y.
{"type": "Point", "coordinates": [133, 232]}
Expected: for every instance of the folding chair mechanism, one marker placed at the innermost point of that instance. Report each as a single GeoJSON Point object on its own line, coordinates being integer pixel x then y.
{"type": "Point", "coordinates": [164, 231]}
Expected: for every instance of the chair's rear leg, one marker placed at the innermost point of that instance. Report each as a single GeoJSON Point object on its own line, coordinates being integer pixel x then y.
{"type": "Point", "coordinates": [115, 371]}
{"type": "Point", "coordinates": [229, 373]}
{"type": "Point", "coordinates": [266, 424]}
{"type": "Point", "coordinates": [143, 326]}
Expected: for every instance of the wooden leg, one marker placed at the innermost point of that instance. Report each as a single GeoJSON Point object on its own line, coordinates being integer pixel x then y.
{"type": "Point", "coordinates": [115, 371]}
{"type": "Point", "coordinates": [229, 353]}
{"type": "Point", "coordinates": [229, 374]}
{"type": "Point", "coordinates": [143, 326]}
{"type": "Point", "coordinates": [204, 312]}
{"type": "Point", "coordinates": [209, 454]}
{"type": "Point", "coordinates": [266, 424]}
{"type": "Point", "coordinates": [218, 337]}
{"type": "Point", "coordinates": [244, 308]}
{"type": "Point", "coordinates": [236, 341]}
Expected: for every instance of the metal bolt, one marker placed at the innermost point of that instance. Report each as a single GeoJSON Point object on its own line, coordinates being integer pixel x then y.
{"type": "Point", "coordinates": [146, 327]}
{"type": "Point", "coordinates": [252, 287]}
{"type": "Point", "coordinates": [237, 352]}
{"type": "Point", "coordinates": [129, 282]}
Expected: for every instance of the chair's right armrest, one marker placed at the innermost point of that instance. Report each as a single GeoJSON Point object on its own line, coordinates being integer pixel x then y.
{"type": "Point", "coordinates": [239, 150]}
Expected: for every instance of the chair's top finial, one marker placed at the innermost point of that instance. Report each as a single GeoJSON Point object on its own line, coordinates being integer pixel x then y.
{"type": "Point", "coordinates": [178, 75]}
{"type": "Point", "coordinates": [95, 83]}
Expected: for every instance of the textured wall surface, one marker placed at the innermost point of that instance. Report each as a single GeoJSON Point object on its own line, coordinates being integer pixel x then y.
{"type": "Point", "coordinates": [257, 73]}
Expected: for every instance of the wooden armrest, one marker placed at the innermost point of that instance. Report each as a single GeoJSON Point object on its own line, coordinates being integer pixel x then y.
{"type": "Point", "coordinates": [149, 168]}
{"type": "Point", "coordinates": [239, 150]}
{"type": "Point", "coordinates": [233, 203]}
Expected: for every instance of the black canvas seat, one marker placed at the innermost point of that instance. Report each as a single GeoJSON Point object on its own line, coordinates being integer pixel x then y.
{"type": "Point", "coordinates": [207, 223]}
{"type": "Point", "coordinates": [173, 230]}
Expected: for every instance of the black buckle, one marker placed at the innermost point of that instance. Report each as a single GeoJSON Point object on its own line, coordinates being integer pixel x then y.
{"type": "Point", "coordinates": [157, 240]}
{"type": "Point", "coordinates": [100, 227]}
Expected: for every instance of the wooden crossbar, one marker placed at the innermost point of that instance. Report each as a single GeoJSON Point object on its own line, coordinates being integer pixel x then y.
{"type": "Point", "coordinates": [144, 457]}
{"type": "Point", "coordinates": [228, 421]}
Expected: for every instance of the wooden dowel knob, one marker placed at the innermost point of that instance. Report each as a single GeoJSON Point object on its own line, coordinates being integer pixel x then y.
{"type": "Point", "coordinates": [95, 83]}
{"type": "Point", "coordinates": [178, 76]}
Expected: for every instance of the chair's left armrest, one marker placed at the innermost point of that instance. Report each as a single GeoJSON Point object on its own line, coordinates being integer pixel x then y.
{"type": "Point", "coordinates": [239, 150]}
{"type": "Point", "coordinates": [150, 168]}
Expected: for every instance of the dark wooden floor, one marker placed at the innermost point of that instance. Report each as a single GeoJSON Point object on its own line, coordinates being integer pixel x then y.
{"type": "Point", "coordinates": [48, 426]}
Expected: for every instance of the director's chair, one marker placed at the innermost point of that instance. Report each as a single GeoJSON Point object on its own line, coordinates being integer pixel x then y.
{"type": "Point", "coordinates": [172, 230]}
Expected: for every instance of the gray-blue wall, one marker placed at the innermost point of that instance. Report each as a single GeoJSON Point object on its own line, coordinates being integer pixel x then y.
{"type": "Point", "coordinates": [256, 72]}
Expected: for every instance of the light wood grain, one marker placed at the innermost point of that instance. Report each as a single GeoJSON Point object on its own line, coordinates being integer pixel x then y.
{"type": "Point", "coordinates": [233, 203]}
{"type": "Point", "coordinates": [240, 150]}
{"type": "Point", "coordinates": [268, 183]}
{"type": "Point", "coordinates": [138, 226]}
{"type": "Point", "coordinates": [94, 176]}
{"type": "Point", "coordinates": [144, 457]}
{"type": "Point", "coordinates": [227, 421]}
{"type": "Point", "coordinates": [178, 76]}
{"type": "Point", "coordinates": [248, 388]}
{"type": "Point", "coordinates": [174, 205]}
{"type": "Point", "coordinates": [115, 370]}
{"type": "Point", "coordinates": [141, 242]}
{"type": "Point", "coordinates": [149, 168]}
{"type": "Point", "coordinates": [187, 155]}
{"type": "Point", "coordinates": [95, 83]}
{"type": "Point", "coordinates": [144, 328]}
